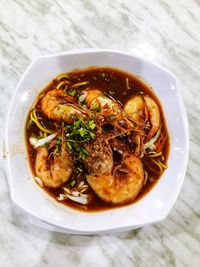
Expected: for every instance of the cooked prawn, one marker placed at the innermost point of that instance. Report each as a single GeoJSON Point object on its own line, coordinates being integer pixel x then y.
{"type": "Point", "coordinates": [95, 96]}
{"type": "Point", "coordinates": [56, 172]}
{"type": "Point", "coordinates": [92, 95]}
{"type": "Point", "coordinates": [142, 109]}
{"type": "Point", "coordinates": [134, 108]}
{"type": "Point", "coordinates": [100, 159]}
{"type": "Point", "coordinates": [154, 116]}
{"type": "Point", "coordinates": [119, 188]}
{"type": "Point", "coordinates": [55, 105]}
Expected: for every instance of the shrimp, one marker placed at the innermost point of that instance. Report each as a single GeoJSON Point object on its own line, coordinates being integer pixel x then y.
{"type": "Point", "coordinates": [92, 95]}
{"type": "Point", "coordinates": [154, 115]}
{"type": "Point", "coordinates": [100, 159]}
{"type": "Point", "coordinates": [134, 108]}
{"type": "Point", "coordinates": [55, 106]}
{"type": "Point", "coordinates": [96, 97]}
{"type": "Point", "coordinates": [142, 109]}
{"type": "Point", "coordinates": [56, 172]}
{"type": "Point", "coordinates": [122, 185]}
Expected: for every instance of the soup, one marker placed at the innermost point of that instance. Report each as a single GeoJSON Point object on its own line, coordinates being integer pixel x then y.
{"type": "Point", "coordinates": [97, 139]}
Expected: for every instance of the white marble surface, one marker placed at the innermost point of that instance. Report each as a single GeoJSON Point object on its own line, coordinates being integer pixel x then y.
{"type": "Point", "coordinates": [165, 31]}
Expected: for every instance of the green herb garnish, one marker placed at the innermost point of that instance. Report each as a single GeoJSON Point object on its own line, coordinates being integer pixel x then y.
{"type": "Point", "coordinates": [69, 146]}
{"type": "Point", "coordinates": [72, 92]}
{"type": "Point", "coordinates": [79, 133]}
{"type": "Point", "coordinates": [72, 183]}
{"type": "Point", "coordinates": [96, 107]}
{"type": "Point", "coordinates": [82, 131]}
{"type": "Point", "coordinates": [58, 141]}
{"type": "Point", "coordinates": [83, 153]}
{"type": "Point", "coordinates": [63, 124]}
{"type": "Point", "coordinates": [46, 144]}
{"type": "Point", "coordinates": [58, 144]}
{"type": "Point", "coordinates": [91, 124]}
{"type": "Point", "coordinates": [78, 169]}
{"type": "Point", "coordinates": [65, 88]}
{"type": "Point", "coordinates": [92, 135]}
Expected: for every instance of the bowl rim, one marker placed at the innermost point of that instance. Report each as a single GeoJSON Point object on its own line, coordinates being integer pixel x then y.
{"type": "Point", "coordinates": [182, 113]}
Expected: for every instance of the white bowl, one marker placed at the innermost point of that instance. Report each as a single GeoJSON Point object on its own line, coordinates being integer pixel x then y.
{"type": "Point", "coordinates": [152, 208]}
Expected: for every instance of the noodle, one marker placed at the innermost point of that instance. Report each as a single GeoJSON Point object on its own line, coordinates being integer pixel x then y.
{"type": "Point", "coordinates": [34, 118]}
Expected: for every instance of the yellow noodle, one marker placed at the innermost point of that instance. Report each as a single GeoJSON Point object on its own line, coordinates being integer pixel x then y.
{"type": "Point", "coordinates": [163, 165]}
{"type": "Point", "coordinates": [62, 76]}
{"type": "Point", "coordinates": [58, 86]}
{"type": "Point", "coordinates": [79, 84]}
{"type": "Point", "coordinates": [41, 134]}
{"type": "Point", "coordinates": [34, 118]}
{"type": "Point", "coordinates": [155, 155]}
{"type": "Point", "coordinates": [158, 165]}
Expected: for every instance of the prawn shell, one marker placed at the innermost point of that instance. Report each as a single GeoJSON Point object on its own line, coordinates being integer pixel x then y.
{"type": "Point", "coordinates": [58, 172]}
{"type": "Point", "coordinates": [134, 107]}
{"type": "Point", "coordinates": [92, 95]}
{"type": "Point", "coordinates": [118, 190]}
{"type": "Point", "coordinates": [154, 114]}
{"type": "Point", "coordinates": [54, 106]}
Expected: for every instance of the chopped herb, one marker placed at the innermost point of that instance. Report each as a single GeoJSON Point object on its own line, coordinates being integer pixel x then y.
{"type": "Point", "coordinates": [92, 135]}
{"type": "Point", "coordinates": [91, 124]}
{"type": "Point", "coordinates": [78, 169]}
{"type": "Point", "coordinates": [69, 146]}
{"type": "Point", "coordinates": [82, 132]}
{"type": "Point", "coordinates": [103, 75]}
{"type": "Point", "coordinates": [58, 144]}
{"type": "Point", "coordinates": [83, 153]}
{"type": "Point", "coordinates": [58, 141]}
{"type": "Point", "coordinates": [72, 183]}
{"type": "Point", "coordinates": [78, 133]}
{"type": "Point", "coordinates": [96, 107]}
{"type": "Point", "coordinates": [77, 96]}
{"type": "Point", "coordinates": [72, 92]}
{"type": "Point", "coordinates": [46, 144]}
{"type": "Point", "coordinates": [63, 124]}
{"type": "Point", "coordinates": [65, 88]}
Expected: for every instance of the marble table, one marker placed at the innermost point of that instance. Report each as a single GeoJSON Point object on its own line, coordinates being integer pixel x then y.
{"type": "Point", "coordinates": [167, 32]}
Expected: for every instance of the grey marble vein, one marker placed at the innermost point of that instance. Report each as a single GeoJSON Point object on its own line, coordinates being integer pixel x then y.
{"type": "Point", "coordinates": [164, 31]}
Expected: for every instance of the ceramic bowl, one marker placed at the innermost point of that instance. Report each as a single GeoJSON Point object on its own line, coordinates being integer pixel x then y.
{"type": "Point", "coordinates": [155, 205]}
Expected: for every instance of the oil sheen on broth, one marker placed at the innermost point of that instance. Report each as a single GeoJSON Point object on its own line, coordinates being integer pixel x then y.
{"type": "Point", "coordinates": [97, 138]}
